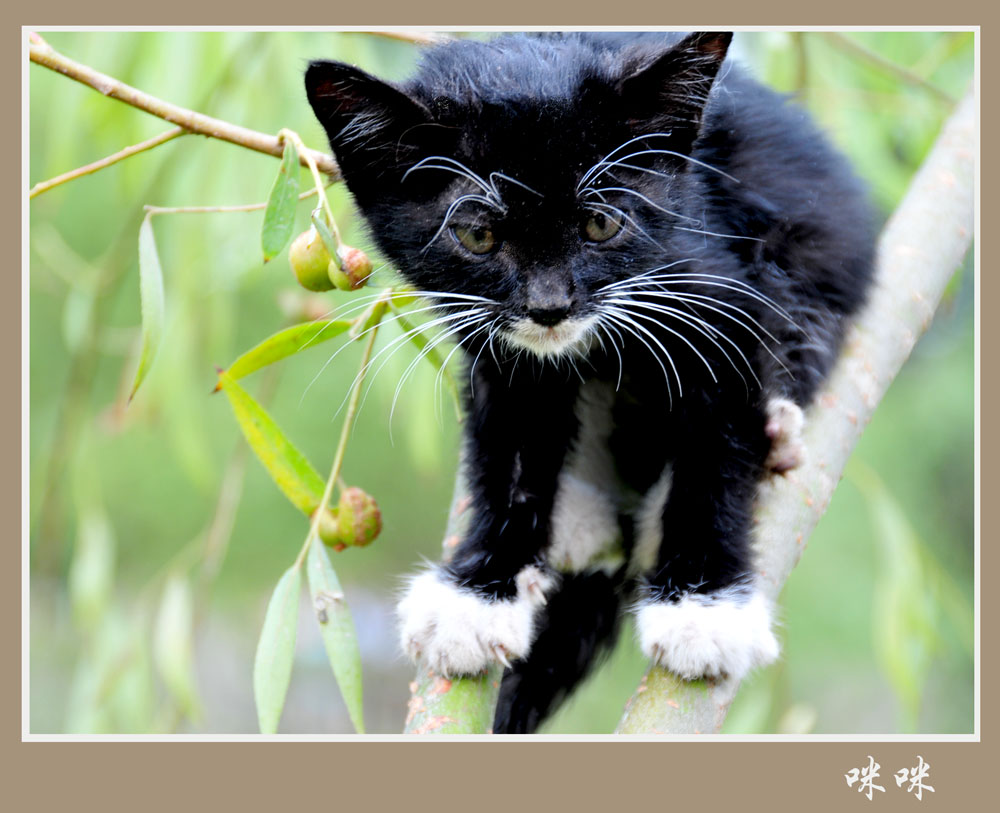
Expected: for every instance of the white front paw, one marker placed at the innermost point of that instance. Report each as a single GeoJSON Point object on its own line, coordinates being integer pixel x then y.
{"type": "Point", "coordinates": [455, 631]}
{"type": "Point", "coordinates": [711, 635]}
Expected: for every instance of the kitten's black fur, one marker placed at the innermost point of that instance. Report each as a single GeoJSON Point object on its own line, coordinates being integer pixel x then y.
{"type": "Point", "coordinates": [744, 243]}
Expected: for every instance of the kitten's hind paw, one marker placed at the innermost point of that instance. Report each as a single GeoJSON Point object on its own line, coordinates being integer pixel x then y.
{"type": "Point", "coordinates": [456, 631]}
{"type": "Point", "coordinates": [708, 635]}
{"type": "Point", "coordinates": [784, 427]}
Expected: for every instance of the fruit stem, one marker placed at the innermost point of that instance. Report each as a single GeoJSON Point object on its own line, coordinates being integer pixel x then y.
{"type": "Point", "coordinates": [338, 460]}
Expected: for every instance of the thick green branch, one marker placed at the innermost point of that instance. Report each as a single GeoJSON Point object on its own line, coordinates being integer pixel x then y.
{"type": "Point", "coordinates": [43, 54]}
{"type": "Point", "coordinates": [919, 250]}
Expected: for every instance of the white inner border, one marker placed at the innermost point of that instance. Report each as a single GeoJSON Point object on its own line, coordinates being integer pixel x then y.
{"type": "Point", "coordinates": [26, 736]}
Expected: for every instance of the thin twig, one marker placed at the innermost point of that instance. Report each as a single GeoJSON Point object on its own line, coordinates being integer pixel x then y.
{"type": "Point", "coordinates": [416, 37]}
{"type": "Point", "coordinates": [338, 459]}
{"type": "Point", "coordinates": [201, 210]}
{"type": "Point", "coordinates": [44, 54]}
{"type": "Point", "coordinates": [845, 43]}
{"type": "Point", "coordinates": [314, 169]}
{"type": "Point", "coordinates": [162, 138]}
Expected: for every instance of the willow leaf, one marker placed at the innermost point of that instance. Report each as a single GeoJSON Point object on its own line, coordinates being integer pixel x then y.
{"type": "Point", "coordinates": [279, 217]}
{"type": "Point", "coordinates": [151, 300]}
{"type": "Point", "coordinates": [287, 466]}
{"type": "Point", "coordinates": [173, 645]}
{"type": "Point", "coordinates": [337, 629]}
{"type": "Point", "coordinates": [272, 667]}
{"type": "Point", "coordinates": [285, 343]}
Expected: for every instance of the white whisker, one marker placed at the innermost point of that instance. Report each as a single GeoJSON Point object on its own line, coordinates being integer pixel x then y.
{"type": "Point", "coordinates": [494, 175]}
{"type": "Point", "coordinates": [596, 170]}
{"type": "Point", "coordinates": [625, 216]}
{"type": "Point", "coordinates": [472, 369]}
{"type": "Point", "coordinates": [433, 343]}
{"type": "Point", "coordinates": [707, 330]}
{"type": "Point", "coordinates": [624, 303]}
{"type": "Point", "coordinates": [629, 324]}
{"type": "Point", "coordinates": [451, 210]}
{"type": "Point", "coordinates": [601, 323]}
{"type": "Point", "coordinates": [716, 280]}
{"type": "Point", "coordinates": [719, 234]}
{"type": "Point", "coordinates": [642, 197]}
{"type": "Point", "coordinates": [646, 275]}
{"type": "Point", "coordinates": [457, 167]}
{"type": "Point", "coordinates": [396, 343]}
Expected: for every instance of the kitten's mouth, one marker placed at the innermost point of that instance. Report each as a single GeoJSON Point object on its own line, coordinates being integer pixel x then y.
{"type": "Point", "coordinates": [570, 336]}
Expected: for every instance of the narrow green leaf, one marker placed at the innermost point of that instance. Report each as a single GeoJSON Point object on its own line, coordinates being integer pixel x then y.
{"type": "Point", "coordinates": [279, 217]}
{"type": "Point", "coordinates": [287, 466]}
{"type": "Point", "coordinates": [285, 343]}
{"type": "Point", "coordinates": [173, 645]}
{"type": "Point", "coordinates": [76, 314]}
{"type": "Point", "coordinates": [337, 629]}
{"type": "Point", "coordinates": [91, 573]}
{"type": "Point", "coordinates": [272, 667]}
{"type": "Point", "coordinates": [130, 689]}
{"type": "Point", "coordinates": [906, 635]}
{"type": "Point", "coordinates": [151, 298]}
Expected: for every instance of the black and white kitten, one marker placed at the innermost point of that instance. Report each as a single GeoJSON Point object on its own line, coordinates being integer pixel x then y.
{"type": "Point", "coordinates": [648, 259]}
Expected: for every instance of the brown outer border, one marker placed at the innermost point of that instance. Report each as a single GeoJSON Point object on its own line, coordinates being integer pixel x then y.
{"type": "Point", "coordinates": [161, 775]}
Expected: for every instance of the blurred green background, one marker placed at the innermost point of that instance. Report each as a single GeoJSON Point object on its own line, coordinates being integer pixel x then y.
{"type": "Point", "coordinates": [132, 505]}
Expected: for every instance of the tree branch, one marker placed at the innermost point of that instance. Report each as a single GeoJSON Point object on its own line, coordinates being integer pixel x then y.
{"type": "Point", "coordinates": [463, 705]}
{"type": "Point", "coordinates": [415, 37]}
{"type": "Point", "coordinates": [918, 252]}
{"type": "Point", "coordinates": [920, 248]}
{"type": "Point", "coordinates": [854, 47]}
{"type": "Point", "coordinates": [44, 54]}
{"type": "Point", "coordinates": [156, 141]}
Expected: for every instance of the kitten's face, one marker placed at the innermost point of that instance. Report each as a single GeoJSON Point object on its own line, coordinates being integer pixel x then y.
{"type": "Point", "coordinates": [526, 208]}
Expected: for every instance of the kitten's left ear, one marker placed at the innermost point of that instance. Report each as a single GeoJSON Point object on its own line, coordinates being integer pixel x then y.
{"type": "Point", "coordinates": [670, 92]}
{"type": "Point", "coordinates": [370, 123]}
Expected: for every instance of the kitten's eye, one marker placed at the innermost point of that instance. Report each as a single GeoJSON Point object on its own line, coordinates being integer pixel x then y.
{"type": "Point", "coordinates": [478, 240]}
{"type": "Point", "coordinates": [601, 227]}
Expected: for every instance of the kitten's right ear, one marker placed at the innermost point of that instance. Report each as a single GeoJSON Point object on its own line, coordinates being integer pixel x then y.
{"type": "Point", "coordinates": [670, 92]}
{"type": "Point", "coordinates": [371, 125]}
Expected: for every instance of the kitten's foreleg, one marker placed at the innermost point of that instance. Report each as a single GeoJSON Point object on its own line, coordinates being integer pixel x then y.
{"type": "Point", "coordinates": [480, 608]}
{"type": "Point", "coordinates": [792, 375]}
{"type": "Point", "coordinates": [701, 614]}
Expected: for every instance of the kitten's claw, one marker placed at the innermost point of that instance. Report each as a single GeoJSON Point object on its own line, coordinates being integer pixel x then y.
{"type": "Point", "coordinates": [714, 635]}
{"type": "Point", "coordinates": [501, 655]}
{"type": "Point", "coordinates": [456, 631]}
{"type": "Point", "coordinates": [784, 427]}
{"type": "Point", "coordinates": [532, 587]}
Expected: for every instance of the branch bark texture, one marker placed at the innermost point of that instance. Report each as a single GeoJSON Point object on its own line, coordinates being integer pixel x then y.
{"type": "Point", "coordinates": [918, 252]}
{"type": "Point", "coordinates": [920, 248]}
{"type": "Point", "coordinates": [44, 54]}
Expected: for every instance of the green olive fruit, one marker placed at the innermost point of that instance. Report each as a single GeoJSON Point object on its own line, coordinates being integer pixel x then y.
{"type": "Point", "coordinates": [309, 260]}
